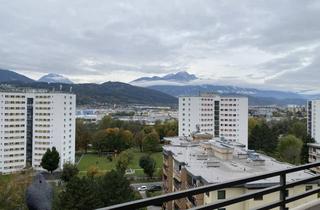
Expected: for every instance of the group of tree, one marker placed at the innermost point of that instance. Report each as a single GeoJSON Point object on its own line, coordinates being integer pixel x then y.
{"type": "Point", "coordinates": [91, 192]}
{"type": "Point", "coordinates": [112, 140]}
{"type": "Point", "coordinates": [113, 135]}
{"type": "Point", "coordinates": [286, 140]}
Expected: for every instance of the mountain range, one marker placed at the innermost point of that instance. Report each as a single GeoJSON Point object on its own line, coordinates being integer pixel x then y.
{"type": "Point", "coordinates": [152, 90]}
{"type": "Point", "coordinates": [92, 94]}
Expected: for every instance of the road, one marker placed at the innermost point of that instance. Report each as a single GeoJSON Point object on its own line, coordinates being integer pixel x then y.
{"type": "Point", "coordinates": [143, 193]}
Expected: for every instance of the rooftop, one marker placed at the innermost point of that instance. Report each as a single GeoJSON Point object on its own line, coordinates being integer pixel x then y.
{"type": "Point", "coordinates": [200, 162]}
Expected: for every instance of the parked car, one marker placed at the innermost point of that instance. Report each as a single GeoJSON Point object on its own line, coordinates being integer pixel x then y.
{"type": "Point", "coordinates": [142, 188]}
{"type": "Point", "coordinates": [154, 188]}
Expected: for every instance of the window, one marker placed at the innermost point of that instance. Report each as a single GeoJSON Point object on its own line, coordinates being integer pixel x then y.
{"type": "Point", "coordinates": [258, 198]}
{"type": "Point", "coordinates": [221, 194]}
{"type": "Point", "coordinates": [308, 187]}
{"type": "Point", "coordinates": [221, 208]}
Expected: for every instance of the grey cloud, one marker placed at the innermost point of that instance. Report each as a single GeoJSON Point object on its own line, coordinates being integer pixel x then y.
{"type": "Point", "coordinates": [78, 37]}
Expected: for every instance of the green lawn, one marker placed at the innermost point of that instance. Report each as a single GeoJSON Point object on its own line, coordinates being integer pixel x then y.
{"type": "Point", "coordinates": [104, 164]}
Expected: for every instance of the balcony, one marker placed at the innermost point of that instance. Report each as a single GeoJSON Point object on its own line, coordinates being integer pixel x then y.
{"type": "Point", "coordinates": [281, 187]}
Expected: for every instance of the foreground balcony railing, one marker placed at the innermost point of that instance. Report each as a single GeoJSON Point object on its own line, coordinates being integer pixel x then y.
{"type": "Point", "coordinates": [281, 188]}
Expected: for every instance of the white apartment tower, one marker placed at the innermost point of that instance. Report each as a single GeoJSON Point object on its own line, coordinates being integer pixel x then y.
{"type": "Point", "coordinates": [313, 112]}
{"type": "Point", "coordinates": [220, 116]}
{"type": "Point", "coordinates": [32, 122]}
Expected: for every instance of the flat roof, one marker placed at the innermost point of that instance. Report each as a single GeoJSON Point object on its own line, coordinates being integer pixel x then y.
{"type": "Point", "coordinates": [227, 170]}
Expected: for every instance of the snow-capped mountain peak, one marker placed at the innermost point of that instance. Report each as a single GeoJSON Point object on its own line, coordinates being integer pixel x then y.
{"type": "Point", "coordinates": [181, 76]}
{"type": "Point", "coordinates": [55, 78]}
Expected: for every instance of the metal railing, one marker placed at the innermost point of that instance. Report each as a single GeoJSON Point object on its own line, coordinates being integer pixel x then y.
{"type": "Point", "coordinates": [281, 188]}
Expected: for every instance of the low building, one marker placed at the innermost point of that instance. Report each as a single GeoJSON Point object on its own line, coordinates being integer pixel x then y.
{"type": "Point", "coordinates": [189, 164]}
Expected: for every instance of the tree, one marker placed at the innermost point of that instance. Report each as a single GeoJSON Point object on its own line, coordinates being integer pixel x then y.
{"type": "Point", "coordinates": [151, 142]}
{"type": "Point", "coordinates": [83, 136]}
{"type": "Point", "coordinates": [127, 137]}
{"type": "Point", "coordinates": [289, 149]}
{"type": "Point", "coordinates": [114, 188]}
{"type": "Point", "coordinates": [263, 138]}
{"type": "Point", "coordinates": [99, 141]}
{"type": "Point", "coordinates": [69, 171]}
{"type": "Point", "coordinates": [298, 129]}
{"type": "Point", "coordinates": [148, 165]}
{"type": "Point", "coordinates": [79, 193]}
{"type": "Point", "coordinates": [123, 161]}
{"type": "Point", "coordinates": [138, 139]}
{"type": "Point", "coordinates": [50, 160]}
{"type": "Point", "coordinates": [305, 149]}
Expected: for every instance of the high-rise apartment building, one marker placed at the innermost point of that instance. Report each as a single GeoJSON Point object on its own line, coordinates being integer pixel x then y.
{"type": "Point", "coordinates": [220, 116]}
{"type": "Point", "coordinates": [313, 112]}
{"type": "Point", "coordinates": [30, 123]}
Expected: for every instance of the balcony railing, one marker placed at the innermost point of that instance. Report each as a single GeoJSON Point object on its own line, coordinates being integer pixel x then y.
{"type": "Point", "coordinates": [281, 188]}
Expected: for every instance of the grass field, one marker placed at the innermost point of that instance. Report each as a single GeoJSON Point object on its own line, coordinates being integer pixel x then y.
{"type": "Point", "coordinates": [103, 164]}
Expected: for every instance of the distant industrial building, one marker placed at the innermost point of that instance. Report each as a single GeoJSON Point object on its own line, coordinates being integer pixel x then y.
{"type": "Point", "coordinates": [220, 116]}
{"type": "Point", "coordinates": [30, 123]}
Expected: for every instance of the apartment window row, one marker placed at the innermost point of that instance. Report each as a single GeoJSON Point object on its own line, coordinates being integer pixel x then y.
{"type": "Point", "coordinates": [204, 120]}
{"type": "Point", "coordinates": [206, 124]}
{"type": "Point", "coordinates": [14, 149]}
{"type": "Point", "coordinates": [13, 137]}
{"type": "Point", "coordinates": [15, 131]}
{"type": "Point", "coordinates": [229, 135]}
{"type": "Point", "coordinates": [230, 125]}
{"type": "Point", "coordinates": [230, 115]}
{"type": "Point", "coordinates": [229, 130]}
{"type": "Point", "coordinates": [13, 143]}
{"type": "Point", "coordinates": [14, 102]}
{"type": "Point", "coordinates": [42, 131]}
{"type": "Point", "coordinates": [42, 143]}
{"type": "Point", "coordinates": [42, 114]}
{"type": "Point", "coordinates": [230, 120]}
{"type": "Point", "coordinates": [207, 129]}
{"type": "Point", "coordinates": [14, 108]}
{"type": "Point", "coordinates": [209, 110]}
{"type": "Point", "coordinates": [15, 120]}
{"type": "Point", "coordinates": [42, 108]}
{"type": "Point", "coordinates": [229, 110]}
{"type": "Point", "coordinates": [43, 96]}
{"type": "Point", "coordinates": [42, 120]}
{"type": "Point", "coordinates": [42, 137]}
{"type": "Point", "coordinates": [207, 99]}
{"type": "Point", "coordinates": [205, 115]}
{"type": "Point", "coordinates": [229, 99]}
{"type": "Point", "coordinates": [13, 161]}
{"type": "Point", "coordinates": [14, 96]}
{"type": "Point", "coordinates": [43, 102]}
{"type": "Point", "coordinates": [229, 104]}
{"type": "Point", "coordinates": [14, 114]}
{"type": "Point", "coordinates": [207, 104]}
{"type": "Point", "coordinates": [13, 167]}
{"type": "Point", "coordinates": [15, 126]}
{"type": "Point", "coordinates": [40, 148]}
{"type": "Point", "coordinates": [14, 155]}
{"type": "Point", "coordinates": [42, 125]}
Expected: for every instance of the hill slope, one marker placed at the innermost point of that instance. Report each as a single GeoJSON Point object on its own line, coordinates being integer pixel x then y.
{"type": "Point", "coordinates": [10, 76]}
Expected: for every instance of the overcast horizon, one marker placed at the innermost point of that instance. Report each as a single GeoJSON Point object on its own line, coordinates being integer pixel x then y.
{"type": "Point", "coordinates": [263, 44]}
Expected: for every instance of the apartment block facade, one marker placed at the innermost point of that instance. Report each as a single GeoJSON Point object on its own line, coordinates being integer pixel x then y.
{"type": "Point", "coordinates": [220, 116]}
{"type": "Point", "coordinates": [191, 164]}
{"type": "Point", "coordinates": [30, 123]}
{"type": "Point", "coordinates": [313, 119]}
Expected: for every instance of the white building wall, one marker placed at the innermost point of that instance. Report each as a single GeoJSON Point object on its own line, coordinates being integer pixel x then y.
{"type": "Point", "coordinates": [314, 119]}
{"type": "Point", "coordinates": [201, 111]}
{"type": "Point", "coordinates": [53, 126]}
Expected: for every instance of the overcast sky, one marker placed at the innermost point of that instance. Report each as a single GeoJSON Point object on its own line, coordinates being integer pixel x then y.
{"type": "Point", "coordinates": [271, 43]}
